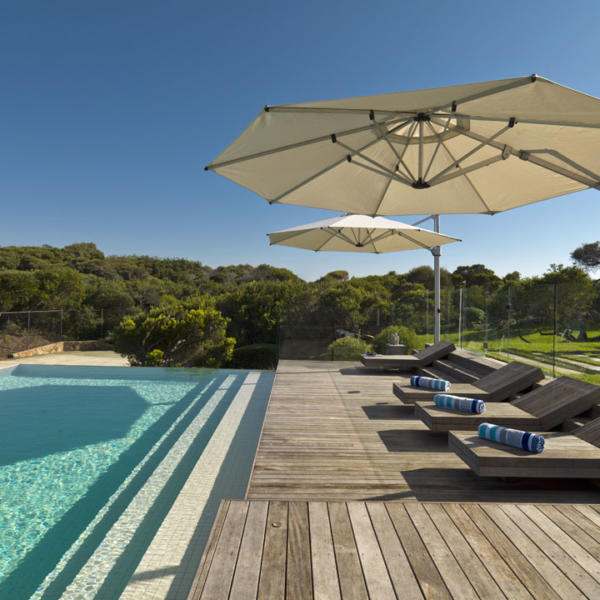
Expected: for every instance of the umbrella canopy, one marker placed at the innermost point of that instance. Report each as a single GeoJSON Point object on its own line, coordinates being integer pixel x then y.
{"type": "Point", "coordinates": [476, 148]}
{"type": "Point", "coordinates": [359, 233]}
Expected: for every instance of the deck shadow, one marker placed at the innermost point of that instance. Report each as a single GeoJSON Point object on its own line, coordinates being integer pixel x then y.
{"type": "Point", "coordinates": [462, 485]}
{"type": "Point", "coordinates": [411, 440]}
{"type": "Point", "coordinates": [359, 370]}
{"type": "Point", "coordinates": [383, 410]}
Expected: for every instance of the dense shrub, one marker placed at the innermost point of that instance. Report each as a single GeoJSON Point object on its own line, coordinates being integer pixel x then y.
{"type": "Point", "coordinates": [406, 336]}
{"type": "Point", "coordinates": [347, 348]}
{"type": "Point", "coordinates": [195, 338]}
{"type": "Point", "coordinates": [255, 356]}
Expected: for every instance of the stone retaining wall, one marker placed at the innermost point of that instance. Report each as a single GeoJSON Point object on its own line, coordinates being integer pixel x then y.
{"type": "Point", "coordinates": [72, 346]}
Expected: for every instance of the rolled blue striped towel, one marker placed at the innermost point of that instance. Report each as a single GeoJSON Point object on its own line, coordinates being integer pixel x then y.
{"type": "Point", "coordinates": [430, 383]}
{"type": "Point", "coordinates": [470, 405]}
{"type": "Point", "coordinates": [532, 442]}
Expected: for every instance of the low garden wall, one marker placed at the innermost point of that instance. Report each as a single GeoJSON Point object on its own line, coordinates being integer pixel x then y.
{"type": "Point", "coordinates": [73, 346]}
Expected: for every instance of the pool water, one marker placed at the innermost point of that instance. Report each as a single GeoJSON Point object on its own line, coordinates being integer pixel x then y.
{"type": "Point", "coordinates": [87, 453]}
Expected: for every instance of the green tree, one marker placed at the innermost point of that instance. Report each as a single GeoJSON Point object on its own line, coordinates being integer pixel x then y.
{"type": "Point", "coordinates": [587, 256]}
{"type": "Point", "coordinates": [18, 289]}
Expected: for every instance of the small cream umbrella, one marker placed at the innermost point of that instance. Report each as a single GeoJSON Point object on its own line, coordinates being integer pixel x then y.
{"type": "Point", "coordinates": [361, 233]}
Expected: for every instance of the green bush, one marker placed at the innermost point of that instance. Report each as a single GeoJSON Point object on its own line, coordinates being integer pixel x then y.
{"type": "Point", "coordinates": [191, 338]}
{"type": "Point", "coordinates": [347, 348]}
{"type": "Point", "coordinates": [406, 336]}
{"type": "Point", "coordinates": [255, 356]}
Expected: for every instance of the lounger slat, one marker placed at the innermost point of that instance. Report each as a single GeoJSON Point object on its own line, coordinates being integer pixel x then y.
{"type": "Point", "coordinates": [419, 359]}
{"type": "Point", "coordinates": [561, 399]}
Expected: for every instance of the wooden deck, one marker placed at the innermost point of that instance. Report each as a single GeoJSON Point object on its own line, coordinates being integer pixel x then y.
{"type": "Point", "coordinates": [387, 550]}
{"type": "Point", "coordinates": [335, 431]}
{"type": "Point", "coordinates": [351, 496]}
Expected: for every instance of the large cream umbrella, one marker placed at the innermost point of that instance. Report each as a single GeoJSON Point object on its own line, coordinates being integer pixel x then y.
{"type": "Point", "coordinates": [476, 148]}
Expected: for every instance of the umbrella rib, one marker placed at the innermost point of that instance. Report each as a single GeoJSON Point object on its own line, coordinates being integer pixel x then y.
{"type": "Point", "coordinates": [398, 155]}
{"type": "Point", "coordinates": [478, 165]}
{"type": "Point", "coordinates": [567, 160]}
{"type": "Point", "coordinates": [456, 163]}
{"type": "Point", "coordinates": [411, 133]}
{"type": "Point", "coordinates": [385, 173]}
{"type": "Point", "coordinates": [331, 235]}
{"type": "Point", "coordinates": [416, 242]}
{"type": "Point", "coordinates": [405, 114]}
{"type": "Point", "coordinates": [369, 240]}
{"type": "Point", "coordinates": [524, 155]}
{"type": "Point", "coordinates": [373, 162]}
{"type": "Point", "coordinates": [385, 190]}
{"type": "Point", "coordinates": [439, 143]}
{"type": "Point", "coordinates": [342, 236]}
{"type": "Point", "coordinates": [326, 169]}
{"type": "Point", "coordinates": [291, 235]}
{"type": "Point", "coordinates": [468, 180]}
{"type": "Point", "coordinates": [523, 121]}
{"type": "Point", "coordinates": [501, 88]}
{"type": "Point", "coordinates": [316, 140]}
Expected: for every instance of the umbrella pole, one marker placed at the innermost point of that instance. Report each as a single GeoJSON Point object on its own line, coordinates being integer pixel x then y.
{"type": "Point", "coordinates": [436, 275]}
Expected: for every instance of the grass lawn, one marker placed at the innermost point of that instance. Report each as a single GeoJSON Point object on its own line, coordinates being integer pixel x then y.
{"type": "Point", "coordinates": [557, 352]}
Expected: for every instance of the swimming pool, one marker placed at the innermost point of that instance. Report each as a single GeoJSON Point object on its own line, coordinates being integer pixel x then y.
{"type": "Point", "coordinates": [110, 476]}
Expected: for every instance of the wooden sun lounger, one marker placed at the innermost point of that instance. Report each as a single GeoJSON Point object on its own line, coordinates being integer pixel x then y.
{"type": "Point", "coordinates": [565, 455]}
{"type": "Point", "coordinates": [500, 385]}
{"type": "Point", "coordinates": [541, 409]}
{"type": "Point", "coordinates": [418, 360]}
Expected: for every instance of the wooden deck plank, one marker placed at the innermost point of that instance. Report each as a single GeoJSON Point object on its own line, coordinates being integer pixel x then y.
{"type": "Point", "coordinates": [494, 562]}
{"type": "Point", "coordinates": [272, 576]}
{"type": "Point", "coordinates": [299, 570]}
{"type": "Point", "coordinates": [579, 520]}
{"type": "Point", "coordinates": [247, 572]}
{"type": "Point", "coordinates": [209, 552]}
{"type": "Point", "coordinates": [589, 513]}
{"type": "Point", "coordinates": [503, 543]}
{"type": "Point", "coordinates": [352, 583]}
{"type": "Point", "coordinates": [221, 574]}
{"type": "Point", "coordinates": [325, 579]}
{"type": "Point", "coordinates": [569, 535]}
{"type": "Point", "coordinates": [424, 568]}
{"type": "Point", "coordinates": [469, 562]}
{"type": "Point", "coordinates": [549, 571]}
{"type": "Point", "coordinates": [375, 571]}
{"type": "Point", "coordinates": [456, 581]}
{"type": "Point", "coordinates": [398, 566]}
{"type": "Point", "coordinates": [556, 551]}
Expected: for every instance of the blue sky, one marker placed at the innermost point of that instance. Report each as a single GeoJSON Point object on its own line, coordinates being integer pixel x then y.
{"type": "Point", "coordinates": [109, 111]}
